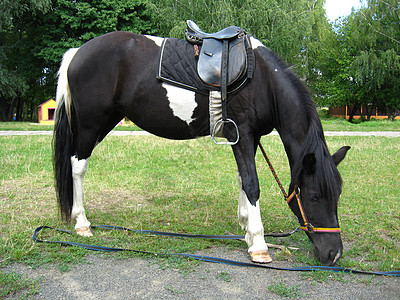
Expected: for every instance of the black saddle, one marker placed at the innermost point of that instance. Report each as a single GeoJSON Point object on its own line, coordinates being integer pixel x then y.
{"type": "Point", "coordinates": [195, 35]}
{"type": "Point", "coordinates": [222, 59]}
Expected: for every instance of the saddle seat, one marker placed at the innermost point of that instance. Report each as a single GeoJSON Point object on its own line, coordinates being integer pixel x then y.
{"type": "Point", "coordinates": [222, 59]}
{"type": "Point", "coordinates": [195, 35]}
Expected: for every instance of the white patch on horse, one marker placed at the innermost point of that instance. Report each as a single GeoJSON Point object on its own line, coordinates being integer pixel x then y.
{"type": "Point", "coordinates": [255, 43]}
{"type": "Point", "coordinates": [250, 221]}
{"type": "Point", "coordinates": [156, 39]}
{"type": "Point", "coordinates": [79, 168]}
{"type": "Point", "coordinates": [181, 101]}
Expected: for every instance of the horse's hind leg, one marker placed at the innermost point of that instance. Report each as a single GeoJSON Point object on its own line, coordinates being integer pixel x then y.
{"type": "Point", "coordinates": [79, 167]}
{"type": "Point", "coordinates": [86, 140]}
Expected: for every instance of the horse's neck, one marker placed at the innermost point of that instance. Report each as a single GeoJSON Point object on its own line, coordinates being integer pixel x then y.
{"type": "Point", "coordinates": [292, 123]}
{"type": "Point", "coordinates": [293, 140]}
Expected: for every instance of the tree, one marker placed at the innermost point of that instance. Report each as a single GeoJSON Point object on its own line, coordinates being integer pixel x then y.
{"type": "Point", "coordinates": [336, 85]}
{"type": "Point", "coordinates": [34, 38]}
{"type": "Point", "coordinates": [13, 83]}
{"type": "Point", "coordinates": [285, 26]}
{"type": "Point", "coordinates": [366, 64]}
{"type": "Point", "coordinates": [376, 67]}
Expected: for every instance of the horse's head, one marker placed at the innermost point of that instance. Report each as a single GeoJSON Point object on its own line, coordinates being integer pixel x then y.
{"type": "Point", "coordinates": [316, 191]}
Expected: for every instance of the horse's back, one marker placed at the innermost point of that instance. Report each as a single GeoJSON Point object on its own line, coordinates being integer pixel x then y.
{"type": "Point", "coordinates": [106, 53]}
{"type": "Point", "coordinates": [114, 75]}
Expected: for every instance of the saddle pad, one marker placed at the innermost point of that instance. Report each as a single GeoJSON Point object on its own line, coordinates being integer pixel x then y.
{"type": "Point", "coordinates": [178, 65]}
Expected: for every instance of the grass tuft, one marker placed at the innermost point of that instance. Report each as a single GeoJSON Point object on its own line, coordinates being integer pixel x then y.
{"type": "Point", "coordinates": [281, 289]}
{"type": "Point", "coordinates": [12, 284]}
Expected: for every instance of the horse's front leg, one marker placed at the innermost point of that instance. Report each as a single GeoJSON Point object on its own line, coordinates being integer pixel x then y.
{"type": "Point", "coordinates": [249, 208]}
{"type": "Point", "coordinates": [82, 226]}
{"type": "Point", "coordinates": [250, 221]}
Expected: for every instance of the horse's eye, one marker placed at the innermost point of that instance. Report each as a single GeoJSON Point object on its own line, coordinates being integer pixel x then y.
{"type": "Point", "coordinates": [314, 198]}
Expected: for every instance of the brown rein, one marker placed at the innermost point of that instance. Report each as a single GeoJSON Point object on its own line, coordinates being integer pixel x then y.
{"type": "Point", "coordinates": [307, 226]}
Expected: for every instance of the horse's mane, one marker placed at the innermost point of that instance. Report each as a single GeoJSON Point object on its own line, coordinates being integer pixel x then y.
{"type": "Point", "coordinates": [326, 173]}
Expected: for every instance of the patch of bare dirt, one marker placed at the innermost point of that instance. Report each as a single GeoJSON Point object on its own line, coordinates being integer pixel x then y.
{"type": "Point", "coordinates": [110, 277]}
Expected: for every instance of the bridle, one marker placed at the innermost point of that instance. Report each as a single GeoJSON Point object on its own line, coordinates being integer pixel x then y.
{"type": "Point", "coordinates": [305, 224]}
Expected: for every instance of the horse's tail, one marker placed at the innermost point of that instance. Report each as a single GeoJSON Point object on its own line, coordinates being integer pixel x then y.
{"type": "Point", "coordinates": [62, 139]}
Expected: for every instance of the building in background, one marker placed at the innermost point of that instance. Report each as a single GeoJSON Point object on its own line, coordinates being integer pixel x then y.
{"type": "Point", "coordinates": [46, 112]}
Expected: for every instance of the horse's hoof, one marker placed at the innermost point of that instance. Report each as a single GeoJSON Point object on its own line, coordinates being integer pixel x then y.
{"type": "Point", "coordinates": [260, 257]}
{"type": "Point", "coordinates": [84, 231]}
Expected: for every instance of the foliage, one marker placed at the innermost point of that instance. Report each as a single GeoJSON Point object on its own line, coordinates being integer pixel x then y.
{"type": "Point", "coordinates": [73, 23]}
{"type": "Point", "coordinates": [366, 61]}
{"type": "Point", "coordinates": [354, 62]}
{"type": "Point", "coordinates": [290, 28]}
{"type": "Point", "coordinates": [11, 10]}
{"type": "Point", "coordinates": [35, 37]}
{"type": "Point", "coordinates": [13, 83]}
{"type": "Point", "coordinates": [376, 67]}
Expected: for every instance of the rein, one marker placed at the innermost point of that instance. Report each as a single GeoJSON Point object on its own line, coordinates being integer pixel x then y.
{"type": "Point", "coordinates": [197, 257]}
{"type": "Point", "coordinates": [307, 226]}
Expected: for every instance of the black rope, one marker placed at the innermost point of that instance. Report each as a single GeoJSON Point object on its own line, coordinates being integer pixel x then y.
{"type": "Point", "coordinates": [189, 235]}
{"type": "Point", "coordinates": [197, 257]}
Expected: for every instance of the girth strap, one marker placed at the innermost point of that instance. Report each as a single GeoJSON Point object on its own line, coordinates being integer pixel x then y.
{"type": "Point", "coordinates": [224, 77]}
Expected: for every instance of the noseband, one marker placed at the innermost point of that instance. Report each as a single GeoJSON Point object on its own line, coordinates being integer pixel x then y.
{"type": "Point", "coordinates": [307, 226]}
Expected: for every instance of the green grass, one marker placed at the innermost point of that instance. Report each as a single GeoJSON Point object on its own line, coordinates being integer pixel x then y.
{"type": "Point", "coordinates": [224, 276]}
{"type": "Point", "coordinates": [12, 283]}
{"type": "Point", "coordinates": [339, 124]}
{"type": "Point", "coordinates": [325, 276]}
{"type": "Point", "coordinates": [281, 289]}
{"type": "Point", "coordinates": [331, 124]}
{"type": "Point", "coordinates": [145, 182]}
{"type": "Point", "coordinates": [29, 126]}
{"type": "Point", "coordinates": [24, 126]}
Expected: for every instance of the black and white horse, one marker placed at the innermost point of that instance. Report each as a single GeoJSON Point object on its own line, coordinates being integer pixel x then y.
{"type": "Point", "coordinates": [113, 76]}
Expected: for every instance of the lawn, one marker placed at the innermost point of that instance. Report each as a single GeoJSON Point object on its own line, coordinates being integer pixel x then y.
{"type": "Point", "coordinates": [145, 182]}
{"type": "Point", "coordinates": [331, 124]}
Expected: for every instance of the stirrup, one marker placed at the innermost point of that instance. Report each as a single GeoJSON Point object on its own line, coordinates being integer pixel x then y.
{"type": "Point", "coordinates": [228, 142]}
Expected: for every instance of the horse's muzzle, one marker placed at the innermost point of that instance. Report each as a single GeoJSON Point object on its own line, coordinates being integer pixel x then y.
{"type": "Point", "coordinates": [328, 247]}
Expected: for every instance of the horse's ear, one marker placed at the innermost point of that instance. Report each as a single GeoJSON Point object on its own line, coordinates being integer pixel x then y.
{"type": "Point", "coordinates": [340, 154]}
{"type": "Point", "coordinates": [309, 163]}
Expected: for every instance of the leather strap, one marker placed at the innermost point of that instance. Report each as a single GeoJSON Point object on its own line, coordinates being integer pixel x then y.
{"type": "Point", "coordinates": [201, 257]}
{"type": "Point", "coordinates": [224, 77]}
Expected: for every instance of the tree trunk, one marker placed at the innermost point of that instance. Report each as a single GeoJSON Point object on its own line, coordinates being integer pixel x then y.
{"type": "Point", "coordinates": [3, 108]}
{"type": "Point", "coordinates": [10, 113]}
{"type": "Point", "coordinates": [31, 112]}
{"type": "Point", "coordinates": [353, 112]}
{"type": "Point", "coordinates": [368, 111]}
{"type": "Point", "coordinates": [20, 106]}
{"type": "Point", "coordinates": [392, 114]}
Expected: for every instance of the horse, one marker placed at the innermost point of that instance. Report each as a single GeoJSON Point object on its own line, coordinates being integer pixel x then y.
{"type": "Point", "coordinates": [113, 76]}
